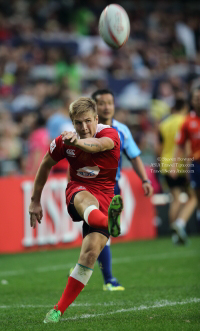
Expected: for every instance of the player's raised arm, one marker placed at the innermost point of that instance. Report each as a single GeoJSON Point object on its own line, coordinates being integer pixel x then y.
{"type": "Point", "coordinates": [89, 145]}
{"type": "Point", "coordinates": [35, 208]}
{"type": "Point", "coordinates": [94, 145]}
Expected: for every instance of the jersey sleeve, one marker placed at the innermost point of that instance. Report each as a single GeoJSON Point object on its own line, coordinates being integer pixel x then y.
{"type": "Point", "coordinates": [182, 135]}
{"type": "Point", "coordinates": [110, 133]}
{"type": "Point", "coordinates": [130, 147]}
{"type": "Point", "coordinates": [57, 149]}
{"type": "Point", "coordinates": [108, 159]}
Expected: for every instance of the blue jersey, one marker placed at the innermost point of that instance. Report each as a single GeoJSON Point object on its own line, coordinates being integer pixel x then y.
{"type": "Point", "coordinates": [127, 144]}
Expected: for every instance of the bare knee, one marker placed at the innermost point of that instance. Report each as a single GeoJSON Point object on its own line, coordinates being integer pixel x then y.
{"type": "Point", "coordinates": [83, 197]}
{"type": "Point", "coordinates": [92, 245]}
{"type": "Point", "coordinates": [83, 200]}
{"type": "Point", "coordinates": [89, 257]}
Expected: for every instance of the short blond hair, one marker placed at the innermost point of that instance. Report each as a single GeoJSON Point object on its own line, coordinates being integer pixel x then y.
{"type": "Point", "coordinates": [82, 105]}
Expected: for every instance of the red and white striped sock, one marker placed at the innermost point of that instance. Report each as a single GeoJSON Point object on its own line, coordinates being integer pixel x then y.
{"type": "Point", "coordinates": [76, 282]}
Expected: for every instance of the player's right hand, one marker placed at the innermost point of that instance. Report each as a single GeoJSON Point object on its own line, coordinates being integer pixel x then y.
{"type": "Point", "coordinates": [35, 212]}
{"type": "Point", "coordinates": [69, 138]}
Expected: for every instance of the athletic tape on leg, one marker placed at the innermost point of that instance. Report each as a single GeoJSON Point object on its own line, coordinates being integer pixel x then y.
{"type": "Point", "coordinates": [81, 273]}
{"type": "Point", "coordinates": [88, 211]}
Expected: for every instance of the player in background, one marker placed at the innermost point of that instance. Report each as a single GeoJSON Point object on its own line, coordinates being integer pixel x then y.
{"type": "Point", "coordinates": [106, 109]}
{"type": "Point", "coordinates": [190, 132]}
{"type": "Point", "coordinates": [178, 213]}
{"type": "Point", "coordinates": [93, 152]}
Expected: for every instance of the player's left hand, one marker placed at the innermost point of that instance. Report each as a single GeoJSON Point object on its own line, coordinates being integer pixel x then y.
{"type": "Point", "coordinates": [69, 138]}
{"type": "Point", "coordinates": [148, 189]}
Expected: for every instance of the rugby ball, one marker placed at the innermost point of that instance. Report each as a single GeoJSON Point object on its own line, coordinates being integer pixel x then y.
{"type": "Point", "coordinates": [114, 26]}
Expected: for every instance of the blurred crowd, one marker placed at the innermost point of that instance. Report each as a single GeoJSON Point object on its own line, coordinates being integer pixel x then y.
{"type": "Point", "coordinates": [51, 53]}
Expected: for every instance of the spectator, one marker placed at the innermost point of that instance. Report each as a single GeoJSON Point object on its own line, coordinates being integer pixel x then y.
{"type": "Point", "coordinates": [50, 46]}
{"type": "Point", "coordinates": [38, 143]}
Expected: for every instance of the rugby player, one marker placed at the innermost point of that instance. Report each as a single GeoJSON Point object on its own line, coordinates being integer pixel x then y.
{"type": "Point", "coordinates": [93, 152]}
{"type": "Point", "coordinates": [178, 213]}
{"type": "Point", "coordinates": [190, 132]}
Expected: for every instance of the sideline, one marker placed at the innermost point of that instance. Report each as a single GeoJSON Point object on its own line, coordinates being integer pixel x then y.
{"type": "Point", "coordinates": [158, 304]}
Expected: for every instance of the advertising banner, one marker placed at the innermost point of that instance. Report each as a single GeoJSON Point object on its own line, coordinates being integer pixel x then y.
{"type": "Point", "coordinates": [57, 229]}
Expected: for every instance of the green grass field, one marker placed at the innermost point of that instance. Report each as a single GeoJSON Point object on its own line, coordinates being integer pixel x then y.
{"type": "Point", "coordinates": [162, 289]}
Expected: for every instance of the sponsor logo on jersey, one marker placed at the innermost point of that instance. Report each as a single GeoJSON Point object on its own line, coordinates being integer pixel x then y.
{"type": "Point", "coordinates": [88, 172]}
{"type": "Point", "coordinates": [71, 152]}
{"type": "Point", "coordinates": [52, 146]}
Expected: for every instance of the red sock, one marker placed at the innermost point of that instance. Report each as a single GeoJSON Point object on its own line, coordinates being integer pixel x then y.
{"type": "Point", "coordinates": [72, 290]}
{"type": "Point", "coordinates": [97, 219]}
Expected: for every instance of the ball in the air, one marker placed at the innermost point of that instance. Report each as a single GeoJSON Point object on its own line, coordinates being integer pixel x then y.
{"type": "Point", "coordinates": [114, 26]}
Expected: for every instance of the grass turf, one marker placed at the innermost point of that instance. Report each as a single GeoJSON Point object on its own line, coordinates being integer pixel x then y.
{"type": "Point", "coordinates": [162, 289]}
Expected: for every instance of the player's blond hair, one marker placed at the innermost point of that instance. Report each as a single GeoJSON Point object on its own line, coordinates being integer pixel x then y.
{"type": "Point", "coordinates": [82, 105]}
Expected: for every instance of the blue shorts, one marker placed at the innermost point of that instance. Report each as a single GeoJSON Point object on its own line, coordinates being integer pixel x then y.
{"type": "Point", "coordinates": [195, 176]}
{"type": "Point", "coordinates": [117, 190]}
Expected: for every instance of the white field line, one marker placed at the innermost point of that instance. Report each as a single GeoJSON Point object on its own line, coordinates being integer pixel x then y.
{"type": "Point", "coordinates": [114, 261]}
{"type": "Point", "coordinates": [157, 304]}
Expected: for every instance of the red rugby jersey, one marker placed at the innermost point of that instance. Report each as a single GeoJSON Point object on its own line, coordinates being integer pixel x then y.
{"type": "Point", "coordinates": [98, 170]}
{"type": "Point", "coordinates": [190, 130]}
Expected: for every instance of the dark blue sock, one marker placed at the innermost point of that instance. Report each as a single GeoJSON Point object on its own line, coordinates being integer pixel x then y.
{"type": "Point", "coordinates": [105, 263]}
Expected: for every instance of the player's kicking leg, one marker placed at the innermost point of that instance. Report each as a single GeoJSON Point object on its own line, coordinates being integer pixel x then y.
{"type": "Point", "coordinates": [105, 257]}
{"type": "Point", "coordinates": [114, 212]}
